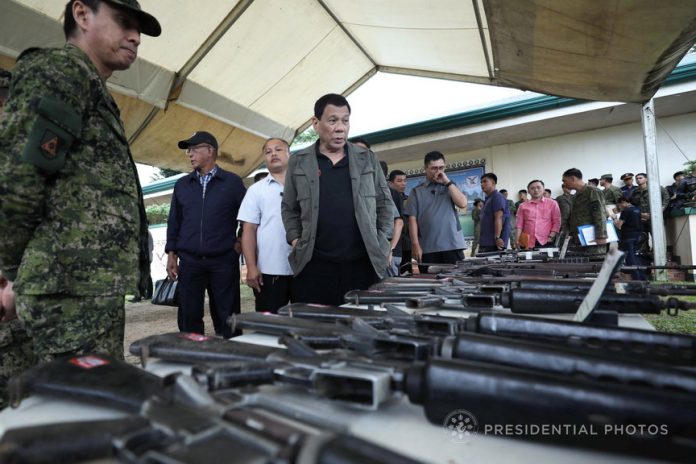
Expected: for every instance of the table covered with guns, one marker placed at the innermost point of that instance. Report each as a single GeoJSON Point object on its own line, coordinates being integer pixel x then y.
{"type": "Point", "coordinates": [489, 360]}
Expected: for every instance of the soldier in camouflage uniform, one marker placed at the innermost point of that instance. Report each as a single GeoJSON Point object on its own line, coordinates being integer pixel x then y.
{"type": "Point", "coordinates": [565, 203]}
{"type": "Point", "coordinates": [611, 192]}
{"type": "Point", "coordinates": [16, 352]}
{"type": "Point", "coordinates": [71, 210]}
{"type": "Point", "coordinates": [588, 208]}
{"type": "Point", "coordinates": [641, 198]}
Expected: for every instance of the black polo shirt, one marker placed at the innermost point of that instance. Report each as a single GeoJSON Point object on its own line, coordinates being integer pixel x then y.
{"type": "Point", "coordinates": [338, 236]}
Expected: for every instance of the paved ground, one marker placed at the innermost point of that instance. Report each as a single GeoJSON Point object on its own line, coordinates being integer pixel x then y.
{"type": "Point", "coordinates": [144, 319]}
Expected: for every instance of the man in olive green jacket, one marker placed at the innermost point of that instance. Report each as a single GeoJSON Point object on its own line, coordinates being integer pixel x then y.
{"type": "Point", "coordinates": [337, 211]}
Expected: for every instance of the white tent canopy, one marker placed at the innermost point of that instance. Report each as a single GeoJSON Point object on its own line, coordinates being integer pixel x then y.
{"type": "Point", "coordinates": [246, 70]}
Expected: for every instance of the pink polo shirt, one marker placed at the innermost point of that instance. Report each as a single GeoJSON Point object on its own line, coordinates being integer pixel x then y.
{"type": "Point", "coordinates": [539, 218]}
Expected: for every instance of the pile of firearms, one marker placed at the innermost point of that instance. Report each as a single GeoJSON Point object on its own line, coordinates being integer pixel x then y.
{"type": "Point", "coordinates": [630, 391]}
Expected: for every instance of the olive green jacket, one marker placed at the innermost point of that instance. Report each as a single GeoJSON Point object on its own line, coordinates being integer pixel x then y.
{"type": "Point", "coordinates": [612, 194]}
{"type": "Point", "coordinates": [374, 208]}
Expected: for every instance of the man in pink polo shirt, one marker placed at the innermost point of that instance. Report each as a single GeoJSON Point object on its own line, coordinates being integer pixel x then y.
{"type": "Point", "coordinates": [538, 220]}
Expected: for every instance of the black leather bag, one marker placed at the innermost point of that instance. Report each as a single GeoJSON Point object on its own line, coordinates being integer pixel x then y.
{"type": "Point", "coordinates": [166, 293]}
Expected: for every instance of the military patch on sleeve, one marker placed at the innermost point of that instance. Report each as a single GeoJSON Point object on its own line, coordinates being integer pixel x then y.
{"type": "Point", "coordinates": [49, 144]}
{"type": "Point", "coordinates": [56, 126]}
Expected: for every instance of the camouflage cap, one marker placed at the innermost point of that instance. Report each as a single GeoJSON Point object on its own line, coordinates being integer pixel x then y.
{"type": "Point", "coordinates": [606, 176]}
{"type": "Point", "coordinates": [148, 23]}
{"type": "Point", "coordinates": [5, 78]}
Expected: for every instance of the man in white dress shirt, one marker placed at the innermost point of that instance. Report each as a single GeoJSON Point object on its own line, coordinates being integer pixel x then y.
{"type": "Point", "coordinates": [263, 235]}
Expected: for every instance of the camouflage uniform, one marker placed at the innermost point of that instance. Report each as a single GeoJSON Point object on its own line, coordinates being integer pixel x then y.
{"type": "Point", "coordinates": [16, 352]}
{"type": "Point", "coordinates": [565, 203]}
{"type": "Point", "coordinates": [641, 199]}
{"type": "Point", "coordinates": [71, 211]}
{"type": "Point", "coordinates": [588, 208]}
{"type": "Point", "coordinates": [476, 217]}
{"type": "Point", "coordinates": [612, 195]}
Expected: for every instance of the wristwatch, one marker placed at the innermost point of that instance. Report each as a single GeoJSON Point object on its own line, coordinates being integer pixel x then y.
{"type": "Point", "coordinates": [499, 238]}
{"type": "Point", "coordinates": [449, 183]}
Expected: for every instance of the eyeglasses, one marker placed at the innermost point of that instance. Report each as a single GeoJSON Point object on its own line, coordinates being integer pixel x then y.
{"type": "Point", "coordinates": [190, 149]}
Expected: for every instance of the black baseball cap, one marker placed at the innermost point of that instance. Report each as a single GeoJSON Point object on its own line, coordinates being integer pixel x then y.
{"type": "Point", "coordinates": [198, 138]}
{"type": "Point", "coordinates": [148, 23]}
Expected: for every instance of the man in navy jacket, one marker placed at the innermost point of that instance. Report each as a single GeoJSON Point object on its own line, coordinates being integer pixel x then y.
{"type": "Point", "coordinates": [202, 245]}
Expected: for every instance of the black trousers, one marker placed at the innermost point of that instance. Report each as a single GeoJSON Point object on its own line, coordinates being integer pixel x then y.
{"type": "Point", "coordinates": [274, 294]}
{"type": "Point", "coordinates": [220, 274]}
{"type": "Point", "coordinates": [326, 282]}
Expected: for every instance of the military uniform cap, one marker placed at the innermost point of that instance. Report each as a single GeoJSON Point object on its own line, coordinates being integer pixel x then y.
{"type": "Point", "coordinates": [606, 176]}
{"type": "Point", "coordinates": [627, 175]}
{"type": "Point", "coordinates": [148, 23]}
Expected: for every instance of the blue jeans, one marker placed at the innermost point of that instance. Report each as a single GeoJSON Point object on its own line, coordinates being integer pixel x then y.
{"type": "Point", "coordinates": [393, 268]}
{"type": "Point", "coordinates": [629, 247]}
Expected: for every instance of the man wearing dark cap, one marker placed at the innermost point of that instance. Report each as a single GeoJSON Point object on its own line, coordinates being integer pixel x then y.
{"type": "Point", "coordinates": [627, 188]}
{"type": "Point", "coordinates": [74, 231]}
{"type": "Point", "coordinates": [611, 192]}
{"type": "Point", "coordinates": [202, 237]}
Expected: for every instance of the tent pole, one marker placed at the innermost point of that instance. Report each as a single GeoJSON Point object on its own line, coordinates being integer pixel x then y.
{"type": "Point", "coordinates": [657, 223]}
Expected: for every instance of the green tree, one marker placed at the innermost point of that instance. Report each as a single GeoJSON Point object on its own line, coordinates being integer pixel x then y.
{"type": "Point", "coordinates": [308, 135]}
{"type": "Point", "coordinates": [157, 213]}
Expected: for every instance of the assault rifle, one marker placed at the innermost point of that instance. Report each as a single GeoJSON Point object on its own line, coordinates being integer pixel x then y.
{"type": "Point", "coordinates": [494, 284]}
{"type": "Point", "coordinates": [518, 300]}
{"type": "Point", "coordinates": [173, 420]}
{"type": "Point", "coordinates": [495, 394]}
{"type": "Point", "coordinates": [395, 334]}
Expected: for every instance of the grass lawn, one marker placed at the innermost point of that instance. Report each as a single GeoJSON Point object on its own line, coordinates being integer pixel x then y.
{"type": "Point", "coordinates": [684, 322]}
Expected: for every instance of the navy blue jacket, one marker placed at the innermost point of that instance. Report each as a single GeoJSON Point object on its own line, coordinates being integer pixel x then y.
{"type": "Point", "coordinates": [204, 226]}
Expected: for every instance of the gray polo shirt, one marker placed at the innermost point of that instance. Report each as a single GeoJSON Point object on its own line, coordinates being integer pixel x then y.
{"type": "Point", "coordinates": [438, 223]}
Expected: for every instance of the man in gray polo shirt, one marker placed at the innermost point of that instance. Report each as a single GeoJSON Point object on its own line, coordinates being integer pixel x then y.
{"type": "Point", "coordinates": [436, 235]}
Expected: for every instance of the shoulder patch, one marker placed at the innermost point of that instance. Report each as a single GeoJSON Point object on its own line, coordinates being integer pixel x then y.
{"type": "Point", "coordinates": [55, 128]}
